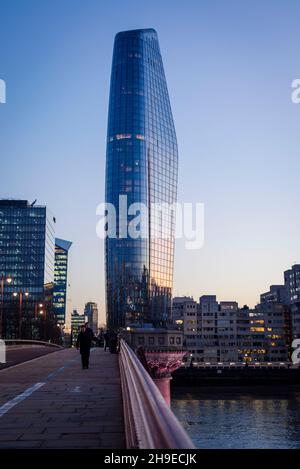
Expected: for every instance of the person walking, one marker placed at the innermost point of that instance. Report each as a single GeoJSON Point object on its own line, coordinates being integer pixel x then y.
{"type": "Point", "coordinates": [106, 341]}
{"type": "Point", "coordinates": [84, 342]}
{"type": "Point", "coordinates": [113, 342]}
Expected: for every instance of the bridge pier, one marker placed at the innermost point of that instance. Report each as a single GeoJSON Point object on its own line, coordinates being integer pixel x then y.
{"type": "Point", "coordinates": [161, 352]}
{"type": "Point", "coordinates": [163, 385]}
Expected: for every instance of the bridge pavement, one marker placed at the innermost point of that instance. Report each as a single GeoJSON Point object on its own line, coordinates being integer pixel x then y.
{"type": "Point", "coordinates": [51, 402]}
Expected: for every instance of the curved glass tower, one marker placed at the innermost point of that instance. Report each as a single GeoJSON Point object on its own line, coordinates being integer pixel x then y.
{"type": "Point", "coordinates": [141, 163]}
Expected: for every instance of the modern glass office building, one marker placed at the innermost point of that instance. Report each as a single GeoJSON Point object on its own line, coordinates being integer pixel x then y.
{"type": "Point", "coordinates": [77, 320]}
{"type": "Point", "coordinates": [26, 257]}
{"type": "Point", "coordinates": [61, 279]}
{"type": "Point", "coordinates": [91, 315]}
{"type": "Point", "coordinates": [142, 165]}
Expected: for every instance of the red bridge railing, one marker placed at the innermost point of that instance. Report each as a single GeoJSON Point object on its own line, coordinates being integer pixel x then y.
{"type": "Point", "coordinates": [149, 422]}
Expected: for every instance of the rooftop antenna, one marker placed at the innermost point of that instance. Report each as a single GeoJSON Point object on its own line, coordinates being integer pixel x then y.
{"type": "Point", "coordinates": [33, 203]}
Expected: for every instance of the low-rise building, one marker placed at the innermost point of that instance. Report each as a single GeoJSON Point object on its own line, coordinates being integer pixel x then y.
{"type": "Point", "coordinates": [224, 333]}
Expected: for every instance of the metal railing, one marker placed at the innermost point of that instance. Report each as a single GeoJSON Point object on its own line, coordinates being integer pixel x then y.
{"type": "Point", "coordinates": [30, 342]}
{"type": "Point", "coordinates": [233, 365]}
{"type": "Point", "coordinates": [149, 422]}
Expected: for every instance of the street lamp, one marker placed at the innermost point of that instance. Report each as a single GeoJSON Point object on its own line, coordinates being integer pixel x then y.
{"type": "Point", "coordinates": [20, 294]}
{"type": "Point", "coordinates": [44, 313]}
{"type": "Point", "coordinates": [5, 279]}
{"type": "Point", "coordinates": [38, 305]}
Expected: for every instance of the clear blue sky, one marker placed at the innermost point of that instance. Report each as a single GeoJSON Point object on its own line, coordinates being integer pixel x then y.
{"type": "Point", "coordinates": [229, 67]}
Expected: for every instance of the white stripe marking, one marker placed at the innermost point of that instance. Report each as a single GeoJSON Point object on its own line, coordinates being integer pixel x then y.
{"type": "Point", "coordinates": [76, 389]}
{"type": "Point", "coordinates": [21, 397]}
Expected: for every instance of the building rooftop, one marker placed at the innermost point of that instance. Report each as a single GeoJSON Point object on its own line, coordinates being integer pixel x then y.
{"type": "Point", "coordinates": [14, 203]}
{"type": "Point", "coordinates": [18, 203]}
{"type": "Point", "coordinates": [63, 243]}
{"type": "Point", "coordinates": [136, 32]}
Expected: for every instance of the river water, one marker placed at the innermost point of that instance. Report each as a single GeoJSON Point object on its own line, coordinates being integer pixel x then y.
{"type": "Point", "coordinates": [231, 417]}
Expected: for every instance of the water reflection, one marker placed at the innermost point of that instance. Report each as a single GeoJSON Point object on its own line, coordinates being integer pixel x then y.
{"type": "Point", "coordinates": [239, 417]}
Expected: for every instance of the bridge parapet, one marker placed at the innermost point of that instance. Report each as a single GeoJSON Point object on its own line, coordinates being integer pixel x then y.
{"type": "Point", "coordinates": [30, 342]}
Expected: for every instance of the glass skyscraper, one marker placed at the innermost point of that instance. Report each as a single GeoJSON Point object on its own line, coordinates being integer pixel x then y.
{"type": "Point", "coordinates": [141, 164]}
{"type": "Point", "coordinates": [26, 256]}
{"type": "Point", "coordinates": [61, 279]}
{"type": "Point", "coordinates": [77, 320]}
{"type": "Point", "coordinates": [91, 315]}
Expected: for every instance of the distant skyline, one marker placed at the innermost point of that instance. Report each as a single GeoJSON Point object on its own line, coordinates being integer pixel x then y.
{"type": "Point", "coordinates": [229, 68]}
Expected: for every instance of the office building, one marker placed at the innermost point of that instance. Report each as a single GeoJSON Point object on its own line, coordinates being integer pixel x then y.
{"type": "Point", "coordinates": [77, 320]}
{"type": "Point", "coordinates": [141, 165]}
{"type": "Point", "coordinates": [292, 285]}
{"type": "Point", "coordinates": [91, 315]}
{"type": "Point", "coordinates": [278, 330]}
{"type": "Point", "coordinates": [221, 332]}
{"type": "Point", "coordinates": [288, 295]}
{"type": "Point", "coordinates": [178, 309]}
{"type": "Point", "coordinates": [61, 279]}
{"type": "Point", "coordinates": [27, 259]}
{"type": "Point", "coordinates": [276, 294]}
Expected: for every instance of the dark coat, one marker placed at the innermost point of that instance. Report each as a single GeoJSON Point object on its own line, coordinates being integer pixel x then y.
{"type": "Point", "coordinates": [84, 340]}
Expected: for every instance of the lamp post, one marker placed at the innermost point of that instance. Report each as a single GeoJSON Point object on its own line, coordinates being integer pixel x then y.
{"type": "Point", "coordinates": [38, 305]}
{"type": "Point", "coordinates": [37, 308]}
{"type": "Point", "coordinates": [43, 313]}
{"type": "Point", "coordinates": [20, 294]}
{"type": "Point", "coordinates": [4, 280]}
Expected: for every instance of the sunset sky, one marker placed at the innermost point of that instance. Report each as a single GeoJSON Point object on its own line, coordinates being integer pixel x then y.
{"type": "Point", "coordinates": [229, 67]}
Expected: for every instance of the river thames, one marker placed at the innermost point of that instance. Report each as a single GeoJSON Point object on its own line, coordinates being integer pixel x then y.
{"type": "Point", "coordinates": [231, 417]}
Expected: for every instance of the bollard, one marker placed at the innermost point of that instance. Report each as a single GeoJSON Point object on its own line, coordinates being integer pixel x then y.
{"type": "Point", "coordinates": [2, 351]}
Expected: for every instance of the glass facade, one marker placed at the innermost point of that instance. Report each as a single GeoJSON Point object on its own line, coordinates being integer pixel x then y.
{"type": "Point", "coordinates": [141, 164]}
{"type": "Point", "coordinates": [292, 286]}
{"type": "Point", "coordinates": [61, 279]}
{"type": "Point", "coordinates": [26, 255]}
{"type": "Point", "coordinates": [77, 320]}
{"type": "Point", "coordinates": [91, 315]}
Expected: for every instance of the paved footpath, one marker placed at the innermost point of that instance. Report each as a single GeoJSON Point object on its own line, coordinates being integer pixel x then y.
{"type": "Point", "coordinates": [51, 402]}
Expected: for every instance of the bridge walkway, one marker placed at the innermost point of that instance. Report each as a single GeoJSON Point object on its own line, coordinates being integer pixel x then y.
{"type": "Point", "coordinates": [50, 402]}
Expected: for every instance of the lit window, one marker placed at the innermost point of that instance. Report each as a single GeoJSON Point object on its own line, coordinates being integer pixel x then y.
{"type": "Point", "coordinates": [122, 136]}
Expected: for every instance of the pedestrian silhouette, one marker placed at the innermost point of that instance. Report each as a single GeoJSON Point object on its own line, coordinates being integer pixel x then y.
{"type": "Point", "coordinates": [106, 341]}
{"type": "Point", "coordinates": [113, 342]}
{"type": "Point", "coordinates": [84, 342]}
